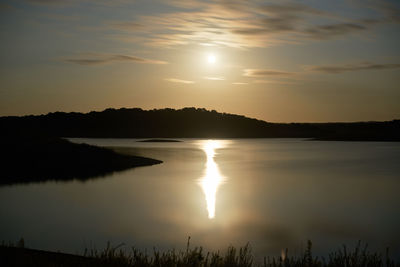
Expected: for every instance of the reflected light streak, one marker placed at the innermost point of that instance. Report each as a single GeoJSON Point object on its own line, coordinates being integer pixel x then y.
{"type": "Point", "coordinates": [212, 178]}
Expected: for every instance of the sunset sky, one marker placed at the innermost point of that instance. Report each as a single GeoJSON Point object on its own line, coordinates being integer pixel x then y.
{"type": "Point", "coordinates": [279, 61]}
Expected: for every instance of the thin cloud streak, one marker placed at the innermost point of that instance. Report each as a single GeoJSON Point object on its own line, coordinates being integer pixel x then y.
{"type": "Point", "coordinates": [64, 3]}
{"type": "Point", "coordinates": [49, 2]}
{"type": "Point", "coordinates": [331, 30]}
{"type": "Point", "coordinates": [334, 69]}
{"type": "Point", "coordinates": [272, 82]}
{"type": "Point", "coordinates": [266, 72]}
{"type": "Point", "coordinates": [126, 26]}
{"type": "Point", "coordinates": [174, 80]}
{"type": "Point", "coordinates": [390, 12]}
{"type": "Point", "coordinates": [239, 83]}
{"type": "Point", "coordinates": [106, 59]}
{"type": "Point", "coordinates": [215, 78]}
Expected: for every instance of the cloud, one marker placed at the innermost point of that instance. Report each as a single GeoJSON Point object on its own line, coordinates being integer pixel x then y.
{"type": "Point", "coordinates": [179, 81]}
{"type": "Point", "coordinates": [244, 24]}
{"type": "Point", "coordinates": [46, 1]}
{"type": "Point", "coordinates": [288, 8]}
{"type": "Point", "coordinates": [273, 82]}
{"type": "Point", "coordinates": [266, 72]}
{"type": "Point", "coordinates": [390, 12]}
{"type": "Point", "coordinates": [279, 18]}
{"type": "Point", "coordinates": [64, 3]}
{"type": "Point", "coordinates": [239, 83]}
{"type": "Point", "coordinates": [126, 26]}
{"type": "Point", "coordinates": [331, 30]}
{"type": "Point", "coordinates": [105, 59]}
{"type": "Point", "coordinates": [351, 67]}
{"type": "Point", "coordinates": [51, 2]}
{"type": "Point", "coordinates": [213, 24]}
{"type": "Point", "coordinates": [214, 78]}
{"type": "Point", "coordinates": [240, 24]}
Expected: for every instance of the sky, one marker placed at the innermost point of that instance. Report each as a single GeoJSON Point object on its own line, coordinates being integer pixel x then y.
{"type": "Point", "coordinates": [279, 61]}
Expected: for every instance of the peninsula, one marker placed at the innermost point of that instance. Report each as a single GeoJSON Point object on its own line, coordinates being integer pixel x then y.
{"type": "Point", "coordinates": [32, 158]}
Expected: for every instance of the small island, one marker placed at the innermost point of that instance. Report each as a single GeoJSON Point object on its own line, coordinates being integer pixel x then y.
{"type": "Point", "coordinates": [42, 158]}
{"type": "Point", "coordinates": [159, 141]}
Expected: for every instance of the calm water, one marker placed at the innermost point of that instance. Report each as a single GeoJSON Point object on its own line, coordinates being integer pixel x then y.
{"type": "Point", "coordinates": [273, 193]}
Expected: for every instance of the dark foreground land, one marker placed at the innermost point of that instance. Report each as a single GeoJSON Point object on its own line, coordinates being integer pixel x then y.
{"type": "Point", "coordinates": [191, 123]}
{"type": "Point", "coordinates": [243, 257]}
{"type": "Point", "coordinates": [30, 158]}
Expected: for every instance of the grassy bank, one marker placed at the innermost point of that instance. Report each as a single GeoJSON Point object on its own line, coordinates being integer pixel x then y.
{"type": "Point", "coordinates": [196, 256]}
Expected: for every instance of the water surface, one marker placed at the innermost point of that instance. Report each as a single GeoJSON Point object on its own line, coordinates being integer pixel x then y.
{"type": "Point", "coordinates": [273, 193]}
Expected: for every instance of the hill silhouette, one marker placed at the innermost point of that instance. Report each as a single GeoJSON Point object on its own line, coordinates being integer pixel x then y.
{"type": "Point", "coordinates": [189, 122]}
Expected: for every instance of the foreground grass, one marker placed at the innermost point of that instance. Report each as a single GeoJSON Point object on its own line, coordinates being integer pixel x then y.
{"type": "Point", "coordinates": [232, 257]}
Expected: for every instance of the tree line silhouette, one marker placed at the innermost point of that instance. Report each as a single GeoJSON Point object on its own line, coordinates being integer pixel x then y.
{"type": "Point", "coordinates": [188, 122]}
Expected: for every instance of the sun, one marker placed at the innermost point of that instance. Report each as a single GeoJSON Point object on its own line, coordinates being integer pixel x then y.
{"type": "Point", "coordinates": [211, 59]}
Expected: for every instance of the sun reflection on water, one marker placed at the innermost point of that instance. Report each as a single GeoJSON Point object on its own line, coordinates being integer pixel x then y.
{"type": "Point", "coordinates": [212, 178]}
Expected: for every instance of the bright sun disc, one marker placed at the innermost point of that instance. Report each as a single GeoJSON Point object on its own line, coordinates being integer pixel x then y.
{"type": "Point", "coordinates": [211, 59]}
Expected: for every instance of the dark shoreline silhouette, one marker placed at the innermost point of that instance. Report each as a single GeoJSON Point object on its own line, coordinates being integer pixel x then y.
{"type": "Point", "coordinates": [160, 141]}
{"type": "Point", "coordinates": [33, 158]}
{"type": "Point", "coordinates": [190, 123]}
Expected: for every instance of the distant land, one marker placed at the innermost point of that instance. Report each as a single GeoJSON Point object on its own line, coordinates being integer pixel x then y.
{"type": "Point", "coordinates": [32, 158]}
{"type": "Point", "coordinates": [159, 141]}
{"type": "Point", "coordinates": [190, 123]}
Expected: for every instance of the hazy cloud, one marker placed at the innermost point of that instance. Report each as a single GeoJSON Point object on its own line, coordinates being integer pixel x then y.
{"type": "Point", "coordinates": [214, 78]}
{"type": "Point", "coordinates": [273, 82]}
{"type": "Point", "coordinates": [126, 26]}
{"type": "Point", "coordinates": [187, 4]}
{"type": "Point", "coordinates": [287, 8]}
{"type": "Point", "coordinates": [104, 59]}
{"type": "Point", "coordinates": [351, 67]}
{"type": "Point", "coordinates": [331, 30]}
{"type": "Point", "coordinates": [390, 13]}
{"type": "Point", "coordinates": [241, 24]}
{"type": "Point", "coordinates": [51, 2]}
{"type": "Point", "coordinates": [239, 83]}
{"type": "Point", "coordinates": [77, 2]}
{"type": "Point", "coordinates": [244, 24]}
{"type": "Point", "coordinates": [265, 72]}
{"type": "Point", "coordinates": [279, 18]}
{"type": "Point", "coordinates": [174, 80]}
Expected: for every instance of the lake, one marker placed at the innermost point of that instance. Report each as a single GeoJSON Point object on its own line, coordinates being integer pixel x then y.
{"type": "Point", "coordinates": [273, 193]}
